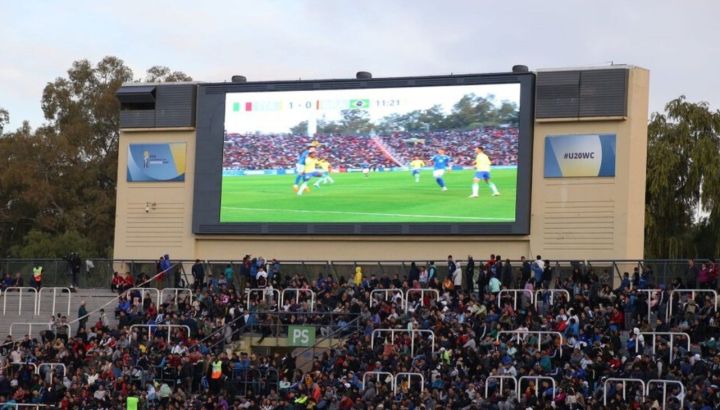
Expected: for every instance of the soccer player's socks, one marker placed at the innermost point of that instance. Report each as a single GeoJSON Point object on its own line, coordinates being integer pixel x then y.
{"type": "Point", "coordinates": [475, 188]}
{"type": "Point", "coordinates": [493, 188]}
{"type": "Point", "coordinates": [303, 187]}
{"type": "Point", "coordinates": [417, 177]}
{"type": "Point", "coordinates": [440, 182]}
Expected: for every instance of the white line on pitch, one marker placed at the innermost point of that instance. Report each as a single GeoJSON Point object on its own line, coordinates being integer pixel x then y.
{"type": "Point", "coordinates": [367, 214]}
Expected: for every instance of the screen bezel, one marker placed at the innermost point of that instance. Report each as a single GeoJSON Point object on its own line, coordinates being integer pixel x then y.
{"type": "Point", "coordinates": [209, 156]}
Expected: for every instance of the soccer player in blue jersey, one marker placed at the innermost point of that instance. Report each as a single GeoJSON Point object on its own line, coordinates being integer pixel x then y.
{"type": "Point", "coordinates": [300, 166]}
{"type": "Point", "coordinates": [441, 162]}
{"type": "Point", "coordinates": [365, 168]}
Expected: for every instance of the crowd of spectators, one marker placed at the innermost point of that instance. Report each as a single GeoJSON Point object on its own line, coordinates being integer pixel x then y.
{"type": "Point", "coordinates": [280, 151]}
{"type": "Point", "coordinates": [602, 332]}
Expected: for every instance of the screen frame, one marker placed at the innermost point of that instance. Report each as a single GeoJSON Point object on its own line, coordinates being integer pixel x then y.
{"type": "Point", "coordinates": [210, 126]}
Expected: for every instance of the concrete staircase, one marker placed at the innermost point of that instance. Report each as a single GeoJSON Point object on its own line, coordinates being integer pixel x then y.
{"type": "Point", "coordinates": [15, 312]}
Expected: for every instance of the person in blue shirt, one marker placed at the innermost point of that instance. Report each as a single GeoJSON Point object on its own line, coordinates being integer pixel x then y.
{"type": "Point", "coordinates": [441, 162]}
{"type": "Point", "coordinates": [300, 166]}
{"type": "Point", "coordinates": [365, 168]}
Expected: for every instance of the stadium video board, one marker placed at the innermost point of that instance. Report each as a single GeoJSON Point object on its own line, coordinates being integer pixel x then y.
{"type": "Point", "coordinates": [431, 155]}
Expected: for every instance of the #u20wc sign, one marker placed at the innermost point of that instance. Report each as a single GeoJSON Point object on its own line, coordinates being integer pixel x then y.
{"type": "Point", "coordinates": [156, 162]}
{"type": "Point", "coordinates": [590, 155]}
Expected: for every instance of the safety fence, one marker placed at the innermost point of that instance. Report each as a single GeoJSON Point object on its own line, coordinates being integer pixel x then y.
{"type": "Point", "coordinates": [98, 273]}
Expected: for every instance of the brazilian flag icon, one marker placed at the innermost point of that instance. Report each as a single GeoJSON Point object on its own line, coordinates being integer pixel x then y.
{"type": "Point", "coordinates": [359, 104]}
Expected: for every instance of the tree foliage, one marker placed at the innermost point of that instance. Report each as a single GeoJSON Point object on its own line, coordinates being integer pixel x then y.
{"type": "Point", "coordinates": [683, 181]}
{"type": "Point", "coordinates": [57, 188]}
{"type": "Point", "coordinates": [4, 119]}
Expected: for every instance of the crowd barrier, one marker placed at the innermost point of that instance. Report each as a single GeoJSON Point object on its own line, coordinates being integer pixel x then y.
{"type": "Point", "coordinates": [98, 272]}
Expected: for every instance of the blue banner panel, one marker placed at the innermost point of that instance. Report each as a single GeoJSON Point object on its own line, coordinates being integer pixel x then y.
{"type": "Point", "coordinates": [590, 155]}
{"type": "Point", "coordinates": [156, 162]}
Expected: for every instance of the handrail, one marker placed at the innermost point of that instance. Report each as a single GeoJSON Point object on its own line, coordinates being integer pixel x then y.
{"type": "Point", "coordinates": [552, 293]}
{"type": "Point", "coordinates": [176, 291]}
{"type": "Point", "coordinates": [664, 387]}
{"type": "Point", "coordinates": [54, 299]}
{"type": "Point", "coordinates": [142, 294]}
{"type": "Point", "coordinates": [412, 332]}
{"type": "Point", "coordinates": [250, 291]}
{"type": "Point", "coordinates": [20, 292]}
{"type": "Point", "coordinates": [116, 298]}
{"type": "Point", "coordinates": [409, 377]}
{"type": "Point", "coordinates": [52, 367]}
{"type": "Point", "coordinates": [537, 380]}
{"type": "Point", "coordinates": [693, 292]}
{"type": "Point", "coordinates": [672, 335]}
{"type": "Point", "coordinates": [297, 296]}
{"type": "Point", "coordinates": [422, 292]}
{"type": "Point", "coordinates": [159, 326]}
{"type": "Point", "coordinates": [515, 293]}
{"type": "Point", "coordinates": [385, 293]}
{"type": "Point", "coordinates": [31, 324]}
{"type": "Point", "coordinates": [501, 378]}
{"type": "Point", "coordinates": [378, 374]}
{"type": "Point", "coordinates": [624, 381]}
{"type": "Point", "coordinates": [538, 333]}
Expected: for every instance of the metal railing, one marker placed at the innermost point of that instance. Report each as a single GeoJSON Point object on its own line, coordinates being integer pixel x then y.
{"type": "Point", "coordinates": [537, 380]}
{"type": "Point", "coordinates": [19, 290]}
{"type": "Point", "coordinates": [30, 325]}
{"type": "Point", "coordinates": [176, 292]}
{"type": "Point", "coordinates": [169, 328]}
{"type": "Point", "coordinates": [692, 293]}
{"type": "Point", "coordinates": [409, 376]}
{"type": "Point", "coordinates": [624, 382]}
{"type": "Point", "coordinates": [671, 336]}
{"type": "Point", "coordinates": [501, 378]}
{"type": "Point", "coordinates": [422, 293]}
{"type": "Point", "coordinates": [412, 333]}
{"type": "Point", "coordinates": [378, 374]}
{"type": "Point", "coordinates": [385, 293]}
{"type": "Point", "coordinates": [664, 384]}
{"type": "Point", "coordinates": [515, 293]}
{"type": "Point", "coordinates": [98, 272]}
{"type": "Point", "coordinates": [54, 299]}
{"type": "Point", "coordinates": [521, 334]}
{"type": "Point", "coordinates": [297, 292]}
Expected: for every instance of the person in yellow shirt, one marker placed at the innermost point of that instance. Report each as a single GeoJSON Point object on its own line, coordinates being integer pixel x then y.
{"type": "Point", "coordinates": [325, 177]}
{"type": "Point", "coordinates": [482, 172]}
{"type": "Point", "coordinates": [415, 165]}
{"type": "Point", "coordinates": [357, 280]}
{"type": "Point", "coordinates": [310, 171]}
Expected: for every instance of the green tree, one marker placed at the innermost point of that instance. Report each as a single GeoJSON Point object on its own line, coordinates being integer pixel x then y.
{"type": "Point", "coordinates": [300, 129]}
{"type": "Point", "coordinates": [683, 178]}
{"type": "Point", "coordinates": [4, 119]}
{"type": "Point", "coordinates": [57, 187]}
{"type": "Point", "coordinates": [355, 122]}
{"type": "Point", "coordinates": [162, 74]}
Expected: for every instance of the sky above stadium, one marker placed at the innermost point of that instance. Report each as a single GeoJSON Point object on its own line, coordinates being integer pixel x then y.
{"type": "Point", "coordinates": [309, 39]}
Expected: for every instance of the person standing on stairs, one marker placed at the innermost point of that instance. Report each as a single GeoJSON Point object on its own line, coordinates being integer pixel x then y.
{"type": "Point", "coordinates": [82, 316]}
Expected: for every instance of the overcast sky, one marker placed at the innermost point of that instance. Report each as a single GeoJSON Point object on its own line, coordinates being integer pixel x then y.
{"type": "Point", "coordinates": [273, 40]}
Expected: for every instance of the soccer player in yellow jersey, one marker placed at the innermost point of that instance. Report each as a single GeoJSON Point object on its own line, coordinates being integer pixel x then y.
{"type": "Point", "coordinates": [482, 171]}
{"type": "Point", "coordinates": [309, 172]}
{"type": "Point", "coordinates": [325, 177]}
{"type": "Point", "coordinates": [415, 165]}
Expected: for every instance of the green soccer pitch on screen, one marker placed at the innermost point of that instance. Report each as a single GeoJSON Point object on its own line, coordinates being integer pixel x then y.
{"type": "Point", "coordinates": [380, 155]}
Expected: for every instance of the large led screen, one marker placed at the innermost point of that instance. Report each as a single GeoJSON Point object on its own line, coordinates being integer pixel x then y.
{"type": "Point", "coordinates": [435, 154]}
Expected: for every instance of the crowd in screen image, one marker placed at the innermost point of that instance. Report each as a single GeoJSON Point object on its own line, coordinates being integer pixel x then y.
{"type": "Point", "coordinates": [561, 340]}
{"type": "Point", "coordinates": [397, 149]}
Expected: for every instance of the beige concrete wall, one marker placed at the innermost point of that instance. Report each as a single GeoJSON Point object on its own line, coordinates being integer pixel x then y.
{"type": "Point", "coordinates": [571, 218]}
{"type": "Point", "coordinates": [168, 227]}
{"type": "Point", "coordinates": [598, 218]}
